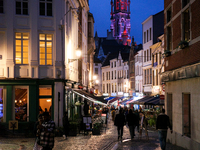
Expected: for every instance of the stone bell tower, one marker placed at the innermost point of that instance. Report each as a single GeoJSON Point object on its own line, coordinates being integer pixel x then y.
{"type": "Point", "coordinates": [120, 21]}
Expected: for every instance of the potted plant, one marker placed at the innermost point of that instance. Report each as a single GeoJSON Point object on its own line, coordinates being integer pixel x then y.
{"type": "Point", "coordinates": [167, 53]}
{"type": "Point", "coordinates": [183, 44]}
{"type": "Point", "coordinates": [73, 125]}
{"type": "Point", "coordinates": [96, 128]}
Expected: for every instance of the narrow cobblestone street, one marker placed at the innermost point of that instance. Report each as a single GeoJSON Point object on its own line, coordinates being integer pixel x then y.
{"type": "Point", "coordinates": [106, 141]}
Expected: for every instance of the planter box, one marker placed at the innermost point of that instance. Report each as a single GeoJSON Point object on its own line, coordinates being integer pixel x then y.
{"type": "Point", "coordinates": [96, 132]}
{"type": "Point", "coordinates": [72, 133]}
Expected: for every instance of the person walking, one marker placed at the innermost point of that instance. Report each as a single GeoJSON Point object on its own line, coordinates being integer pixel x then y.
{"type": "Point", "coordinates": [162, 124]}
{"type": "Point", "coordinates": [137, 119]}
{"type": "Point", "coordinates": [120, 122]}
{"type": "Point", "coordinates": [65, 125]}
{"type": "Point", "coordinates": [131, 119]}
{"type": "Point", "coordinates": [47, 132]}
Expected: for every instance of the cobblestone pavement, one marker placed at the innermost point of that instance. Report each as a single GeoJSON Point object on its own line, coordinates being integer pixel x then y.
{"type": "Point", "coordinates": [106, 141]}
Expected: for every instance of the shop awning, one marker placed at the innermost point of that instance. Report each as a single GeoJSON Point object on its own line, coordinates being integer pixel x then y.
{"type": "Point", "coordinates": [109, 98]}
{"type": "Point", "coordinates": [125, 101]}
{"type": "Point", "coordinates": [113, 100]}
{"type": "Point", "coordinates": [148, 100]}
{"type": "Point", "coordinates": [90, 97]}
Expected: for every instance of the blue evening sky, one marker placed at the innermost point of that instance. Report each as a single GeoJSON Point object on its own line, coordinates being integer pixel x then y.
{"type": "Point", "coordinates": [140, 10]}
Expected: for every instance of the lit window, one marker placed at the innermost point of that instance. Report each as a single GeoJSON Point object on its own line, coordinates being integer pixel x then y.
{"type": "Point", "coordinates": [22, 7]}
{"type": "Point", "coordinates": [46, 7]}
{"type": "Point", "coordinates": [21, 104]}
{"type": "Point", "coordinates": [21, 48]}
{"type": "Point", "coordinates": [45, 49]}
{"type": "Point", "coordinates": [1, 6]}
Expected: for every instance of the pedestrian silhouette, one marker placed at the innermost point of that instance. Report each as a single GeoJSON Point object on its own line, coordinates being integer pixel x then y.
{"type": "Point", "coordinates": [120, 122]}
{"type": "Point", "coordinates": [162, 125]}
{"type": "Point", "coordinates": [131, 119]}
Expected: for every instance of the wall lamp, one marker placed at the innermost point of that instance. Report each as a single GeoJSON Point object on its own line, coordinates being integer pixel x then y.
{"type": "Point", "coordinates": [78, 54]}
{"type": "Point", "coordinates": [62, 21]}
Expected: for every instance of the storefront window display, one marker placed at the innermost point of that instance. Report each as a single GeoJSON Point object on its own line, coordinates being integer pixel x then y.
{"type": "Point", "coordinates": [45, 98]}
{"type": "Point", "coordinates": [21, 104]}
{"type": "Point", "coordinates": [1, 103]}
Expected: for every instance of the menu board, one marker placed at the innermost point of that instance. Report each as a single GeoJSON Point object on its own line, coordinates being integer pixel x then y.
{"type": "Point", "coordinates": [87, 123]}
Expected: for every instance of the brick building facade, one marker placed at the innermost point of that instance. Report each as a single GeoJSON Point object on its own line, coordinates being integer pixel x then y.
{"type": "Point", "coordinates": [182, 70]}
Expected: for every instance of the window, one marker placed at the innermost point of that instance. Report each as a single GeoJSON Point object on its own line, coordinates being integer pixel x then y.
{"type": "Point", "coordinates": [45, 49]}
{"type": "Point", "coordinates": [21, 104]}
{"type": "Point", "coordinates": [145, 76]}
{"type": "Point", "coordinates": [111, 64]}
{"type": "Point", "coordinates": [1, 6]}
{"type": "Point", "coordinates": [147, 55]}
{"type": "Point", "coordinates": [22, 7]}
{"type": "Point", "coordinates": [2, 104]}
{"type": "Point", "coordinates": [150, 34]}
{"type": "Point", "coordinates": [169, 15]}
{"type": "Point", "coordinates": [186, 115]}
{"type": "Point", "coordinates": [144, 56]}
{"type": "Point", "coordinates": [144, 37]}
{"type": "Point", "coordinates": [169, 38]}
{"type": "Point", "coordinates": [150, 76]}
{"type": "Point", "coordinates": [103, 76]}
{"type": "Point", "coordinates": [186, 25]}
{"type": "Point", "coordinates": [96, 70]}
{"type": "Point", "coordinates": [112, 88]}
{"type": "Point", "coordinates": [185, 2]}
{"type": "Point", "coordinates": [153, 82]}
{"type": "Point", "coordinates": [115, 74]}
{"type": "Point", "coordinates": [115, 63]}
{"type": "Point", "coordinates": [109, 76]}
{"type": "Point", "coordinates": [45, 98]}
{"type": "Point", "coordinates": [147, 35]}
{"type": "Point", "coordinates": [156, 76]}
{"type": "Point", "coordinates": [169, 107]}
{"type": "Point", "coordinates": [150, 53]}
{"type": "Point", "coordinates": [160, 58]}
{"type": "Point", "coordinates": [112, 75]}
{"type": "Point", "coordinates": [96, 64]}
{"type": "Point", "coordinates": [46, 7]}
{"type": "Point", "coordinates": [21, 48]}
{"type": "Point", "coordinates": [103, 88]}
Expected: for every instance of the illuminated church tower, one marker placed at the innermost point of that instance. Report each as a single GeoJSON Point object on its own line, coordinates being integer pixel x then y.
{"type": "Point", "coordinates": [120, 21]}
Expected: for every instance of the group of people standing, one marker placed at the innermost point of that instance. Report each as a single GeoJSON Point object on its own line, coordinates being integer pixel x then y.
{"type": "Point", "coordinates": [127, 117]}
{"type": "Point", "coordinates": [132, 119]}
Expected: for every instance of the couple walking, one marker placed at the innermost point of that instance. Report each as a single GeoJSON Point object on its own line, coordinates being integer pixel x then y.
{"type": "Point", "coordinates": [120, 120]}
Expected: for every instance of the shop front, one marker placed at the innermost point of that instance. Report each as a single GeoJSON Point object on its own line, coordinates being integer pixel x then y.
{"type": "Point", "coordinates": [23, 99]}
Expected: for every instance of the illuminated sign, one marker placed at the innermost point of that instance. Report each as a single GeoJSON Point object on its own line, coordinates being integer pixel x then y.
{"type": "Point", "coordinates": [113, 94]}
{"type": "Point", "coordinates": [120, 93]}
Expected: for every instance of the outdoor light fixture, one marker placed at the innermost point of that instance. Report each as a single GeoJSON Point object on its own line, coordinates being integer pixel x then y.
{"type": "Point", "coordinates": [78, 54]}
{"type": "Point", "coordinates": [94, 77]}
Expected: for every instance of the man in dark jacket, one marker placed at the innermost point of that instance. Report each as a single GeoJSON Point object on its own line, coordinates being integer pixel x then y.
{"type": "Point", "coordinates": [131, 119]}
{"type": "Point", "coordinates": [162, 125]}
{"type": "Point", "coordinates": [120, 122]}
